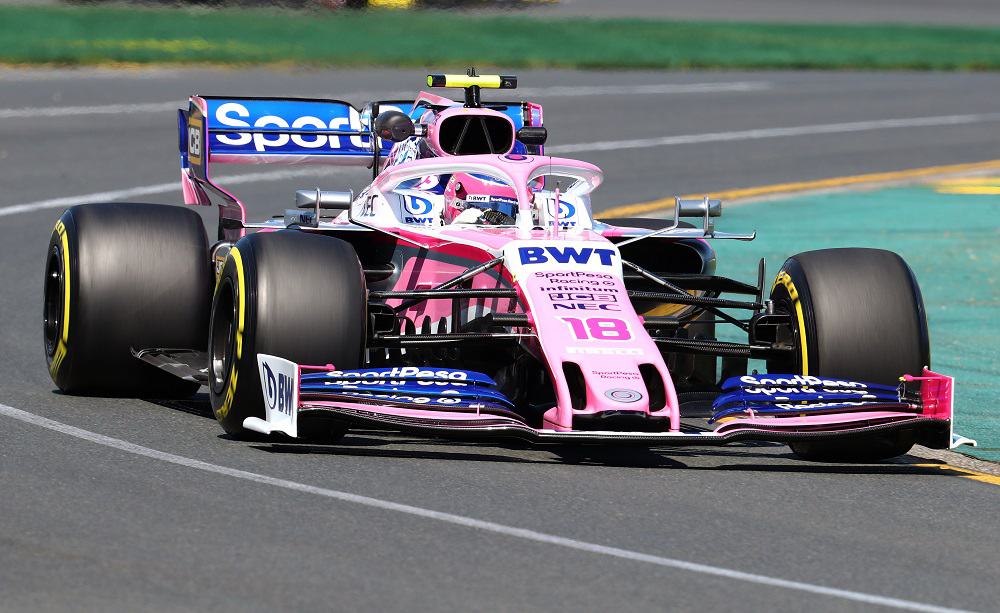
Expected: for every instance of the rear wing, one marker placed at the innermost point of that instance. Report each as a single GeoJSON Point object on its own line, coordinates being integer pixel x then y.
{"type": "Point", "coordinates": [223, 130]}
{"type": "Point", "coordinates": [275, 131]}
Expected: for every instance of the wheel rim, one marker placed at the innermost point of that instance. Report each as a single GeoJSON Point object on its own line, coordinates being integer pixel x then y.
{"type": "Point", "coordinates": [222, 340]}
{"type": "Point", "coordinates": [786, 365]}
{"type": "Point", "coordinates": [53, 301]}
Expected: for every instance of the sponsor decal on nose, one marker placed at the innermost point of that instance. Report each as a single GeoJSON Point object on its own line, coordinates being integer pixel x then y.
{"type": "Point", "coordinates": [623, 395]}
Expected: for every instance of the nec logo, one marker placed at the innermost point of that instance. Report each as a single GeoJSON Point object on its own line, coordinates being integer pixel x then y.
{"type": "Point", "coordinates": [564, 255]}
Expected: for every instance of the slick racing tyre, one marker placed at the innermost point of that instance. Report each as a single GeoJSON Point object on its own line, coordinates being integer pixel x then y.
{"type": "Point", "coordinates": [122, 276]}
{"type": "Point", "coordinates": [290, 294]}
{"type": "Point", "coordinates": [857, 314]}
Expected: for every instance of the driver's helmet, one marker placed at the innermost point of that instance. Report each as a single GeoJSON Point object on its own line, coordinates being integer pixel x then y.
{"type": "Point", "coordinates": [496, 202]}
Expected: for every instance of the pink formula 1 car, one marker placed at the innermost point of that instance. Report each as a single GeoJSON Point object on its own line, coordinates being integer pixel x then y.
{"type": "Point", "coordinates": [469, 292]}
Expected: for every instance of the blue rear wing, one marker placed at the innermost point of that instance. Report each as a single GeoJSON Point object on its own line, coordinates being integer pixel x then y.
{"type": "Point", "coordinates": [274, 131]}
{"type": "Point", "coordinates": [294, 130]}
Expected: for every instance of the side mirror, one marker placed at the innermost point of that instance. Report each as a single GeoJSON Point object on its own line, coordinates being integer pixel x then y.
{"type": "Point", "coordinates": [533, 135]}
{"type": "Point", "coordinates": [394, 126]}
{"type": "Point", "coordinates": [699, 208]}
{"type": "Point", "coordinates": [310, 198]}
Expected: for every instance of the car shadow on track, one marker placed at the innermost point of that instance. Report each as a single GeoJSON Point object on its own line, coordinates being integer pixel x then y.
{"type": "Point", "coordinates": [199, 405]}
{"type": "Point", "coordinates": [745, 457]}
{"type": "Point", "coordinates": [763, 457]}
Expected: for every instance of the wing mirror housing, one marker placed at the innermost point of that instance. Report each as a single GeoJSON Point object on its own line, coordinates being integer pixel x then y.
{"type": "Point", "coordinates": [316, 200]}
{"type": "Point", "coordinates": [699, 208]}
{"type": "Point", "coordinates": [309, 198]}
{"type": "Point", "coordinates": [533, 135]}
{"type": "Point", "coordinates": [394, 126]}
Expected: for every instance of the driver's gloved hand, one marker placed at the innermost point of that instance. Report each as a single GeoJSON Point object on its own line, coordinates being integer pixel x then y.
{"type": "Point", "coordinates": [493, 217]}
{"type": "Point", "coordinates": [470, 215]}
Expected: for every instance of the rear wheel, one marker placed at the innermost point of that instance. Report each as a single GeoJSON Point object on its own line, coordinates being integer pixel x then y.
{"type": "Point", "coordinates": [123, 276]}
{"type": "Point", "coordinates": [291, 294]}
{"type": "Point", "coordinates": [857, 314]}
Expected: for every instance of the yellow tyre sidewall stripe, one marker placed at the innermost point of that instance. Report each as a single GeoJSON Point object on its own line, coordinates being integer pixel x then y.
{"type": "Point", "coordinates": [785, 281]}
{"type": "Point", "coordinates": [227, 403]}
{"type": "Point", "coordinates": [63, 347]}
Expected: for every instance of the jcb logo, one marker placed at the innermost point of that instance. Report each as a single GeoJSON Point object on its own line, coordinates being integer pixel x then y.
{"type": "Point", "coordinates": [194, 141]}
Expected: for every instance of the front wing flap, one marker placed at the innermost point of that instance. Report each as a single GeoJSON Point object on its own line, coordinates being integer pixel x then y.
{"type": "Point", "coordinates": [460, 404]}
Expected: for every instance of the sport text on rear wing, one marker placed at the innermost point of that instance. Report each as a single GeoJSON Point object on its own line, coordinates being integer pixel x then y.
{"type": "Point", "coordinates": [227, 130]}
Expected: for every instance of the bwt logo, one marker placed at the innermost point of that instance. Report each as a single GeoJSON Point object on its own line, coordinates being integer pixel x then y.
{"type": "Point", "coordinates": [564, 255]}
{"type": "Point", "coordinates": [566, 209]}
{"type": "Point", "coordinates": [416, 205]}
{"type": "Point", "coordinates": [233, 114]}
{"type": "Point", "coordinates": [420, 221]}
{"type": "Point", "coordinates": [278, 391]}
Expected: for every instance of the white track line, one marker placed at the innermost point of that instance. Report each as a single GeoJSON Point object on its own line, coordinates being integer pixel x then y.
{"type": "Point", "coordinates": [159, 188]}
{"type": "Point", "coordinates": [652, 88]}
{"type": "Point", "coordinates": [741, 135]}
{"type": "Point", "coordinates": [665, 141]}
{"type": "Point", "coordinates": [73, 111]}
{"type": "Point", "coordinates": [468, 522]}
{"type": "Point", "coordinates": [550, 92]}
{"type": "Point", "coordinates": [147, 73]}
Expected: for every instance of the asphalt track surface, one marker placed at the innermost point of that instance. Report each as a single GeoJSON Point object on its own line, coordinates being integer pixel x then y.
{"type": "Point", "coordinates": [125, 504]}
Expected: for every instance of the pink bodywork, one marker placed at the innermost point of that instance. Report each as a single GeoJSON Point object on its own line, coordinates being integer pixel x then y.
{"type": "Point", "coordinates": [603, 373]}
{"type": "Point", "coordinates": [555, 341]}
{"type": "Point", "coordinates": [610, 366]}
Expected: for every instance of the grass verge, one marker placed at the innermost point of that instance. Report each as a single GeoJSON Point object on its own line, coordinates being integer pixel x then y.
{"type": "Point", "coordinates": [68, 35]}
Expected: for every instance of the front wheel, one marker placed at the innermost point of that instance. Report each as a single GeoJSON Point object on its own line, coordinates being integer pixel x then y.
{"type": "Point", "coordinates": [291, 294]}
{"type": "Point", "coordinates": [857, 314]}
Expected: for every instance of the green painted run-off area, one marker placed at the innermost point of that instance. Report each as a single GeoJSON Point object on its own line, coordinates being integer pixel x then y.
{"type": "Point", "coordinates": [452, 40]}
{"type": "Point", "coordinates": [951, 241]}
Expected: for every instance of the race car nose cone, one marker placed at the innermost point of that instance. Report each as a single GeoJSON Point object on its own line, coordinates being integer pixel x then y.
{"type": "Point", "coordinates": [623, 395]}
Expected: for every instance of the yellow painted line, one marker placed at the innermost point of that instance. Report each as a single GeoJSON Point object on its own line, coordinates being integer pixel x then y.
{"type": "Point", "coordinates": [802, 186]}
{"type": "Point", "coordinates": [971, 190]}
{"type": "Point", "coordinates": [964, 473]}
{"type": "Point", "coordinates": [969, 181]}
{"type": "Point", "coordinates": [392, 4]}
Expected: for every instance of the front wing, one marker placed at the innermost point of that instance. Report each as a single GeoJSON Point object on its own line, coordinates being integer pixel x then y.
{"type": "Point", "coordinates": [290, 395]}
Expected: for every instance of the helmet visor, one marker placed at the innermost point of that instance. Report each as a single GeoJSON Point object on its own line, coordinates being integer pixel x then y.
{"type": "Point", "coordinates": [503, 204]}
